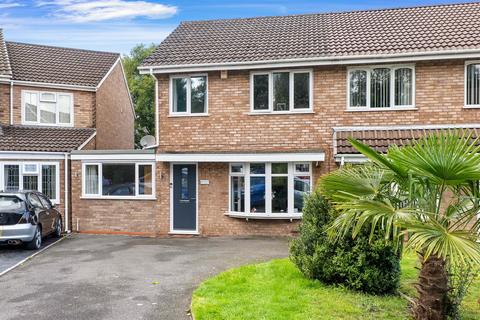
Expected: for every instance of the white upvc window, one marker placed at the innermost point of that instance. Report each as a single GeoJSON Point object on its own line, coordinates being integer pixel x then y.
{"type": "Point", "coordinates": [39, 176]}
{"type": "Point", "coordinates": [189, 95]}
{"type": "Point", "coordinates": [282, 91]}
{"type": "Point", "coordinates": [118, 180]}
{"type": "Point", "coordinates": [47, 108]}
{"type": "Point", "coordinates": [265, 189]}
{"type": "Point", "coordinates": [381, 87]}
{"type": "Point", "coordinates": [472, 84]}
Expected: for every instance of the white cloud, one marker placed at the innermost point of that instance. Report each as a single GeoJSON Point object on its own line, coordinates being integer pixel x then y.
{"type": "Point", "coordinates": [9, 4]}
{"type": "Point", "coordinates": [91, 11]}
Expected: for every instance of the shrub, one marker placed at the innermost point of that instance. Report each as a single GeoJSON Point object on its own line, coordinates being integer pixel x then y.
{"type": "Point", "coordinates": [359, 264]}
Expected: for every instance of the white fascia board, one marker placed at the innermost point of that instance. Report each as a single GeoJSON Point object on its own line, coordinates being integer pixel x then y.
{"type": "Point", "coordinates": [20, 155]}
{"type": "Point", "coordinates": [351, 158]}
{"type": "Point", "coordinates": [331, 60]}
{"type": "Point", "coordinates": [409, 127]}
{"type": "Point", "coordinates": [87, 141]}
{"type": "Point", "coordinates": [54, 85]}
{"type": "Point", "coordinates": [114, 157]}
{"type": "Point", "coordinates": [240, 157]}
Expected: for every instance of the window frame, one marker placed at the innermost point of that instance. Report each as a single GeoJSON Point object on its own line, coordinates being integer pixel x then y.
{"type": "Point", "coordinates": [188, 112]}
{"type": "Point", "coordinates": [100, 195]}
{"type": "Point", "coordinates": [291, 108]}
{"type": "Point", "coordinates": [57, 116]}
{"type": "Point", "coordinates": [465, 104]}
{"type": "Point", "coordinates": [268, 214]}
{"type": "Point", "coordinates": [393, 68]}
{"type": "Point", "coordinates": [38, 174]}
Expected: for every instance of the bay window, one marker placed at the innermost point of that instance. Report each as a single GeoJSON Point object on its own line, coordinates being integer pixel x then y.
{"type": "Point", "coordinates": [47, 108]}
{"type": "Point", "coordinates": [269, 189]}
{"type": "Point", "coordinates": [378, 88]}
{"type": "Point", "coordinates": [112, 180]}
{"type": "Point", "coordinates": [472, 84]}
{"type": "Point", "coordinates": [188, 95]}
{"type": "Point", "coordinates": [281, 91]}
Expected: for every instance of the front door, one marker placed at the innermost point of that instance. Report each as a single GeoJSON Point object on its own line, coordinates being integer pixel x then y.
{"type": "Point", "coordinates": [184, 197]}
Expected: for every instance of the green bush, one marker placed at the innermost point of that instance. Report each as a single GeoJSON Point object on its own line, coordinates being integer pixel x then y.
{"type": "Point", "coordinates": [359, 264]}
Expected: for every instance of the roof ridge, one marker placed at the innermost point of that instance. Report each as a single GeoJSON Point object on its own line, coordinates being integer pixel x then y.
{"type": "Point", "coordinates": [61, 47]}
{"type": "Point", "coordinates": [459, 4]}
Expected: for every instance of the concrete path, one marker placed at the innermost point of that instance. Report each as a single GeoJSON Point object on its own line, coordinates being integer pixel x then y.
{"type": "Point", "coordinates": [119, 277]}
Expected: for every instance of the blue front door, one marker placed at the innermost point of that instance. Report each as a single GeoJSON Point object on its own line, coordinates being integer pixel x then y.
{"type": "Point", "coordinates": [184, 197]}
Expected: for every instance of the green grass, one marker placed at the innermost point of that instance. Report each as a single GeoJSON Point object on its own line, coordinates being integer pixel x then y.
{"type": "Point", "coordinates": [277, 290]}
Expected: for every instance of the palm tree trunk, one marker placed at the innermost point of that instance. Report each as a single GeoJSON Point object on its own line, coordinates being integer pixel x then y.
{"type": "Point", "coordinates": [432, 288]}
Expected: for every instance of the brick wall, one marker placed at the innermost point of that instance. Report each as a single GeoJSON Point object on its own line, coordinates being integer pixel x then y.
{"type": "Point", "coordinates": [115, 118]}
{"type": "Point", "coordinates": [4, 103]}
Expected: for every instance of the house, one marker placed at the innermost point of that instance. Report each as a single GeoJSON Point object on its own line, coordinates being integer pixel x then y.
{"type": "Point", "coordinates": [52, 101]}
{"type": "Point", "coordinates": [251, 112]}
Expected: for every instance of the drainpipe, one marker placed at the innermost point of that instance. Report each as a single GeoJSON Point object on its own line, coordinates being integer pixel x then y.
{"type": "Point", "coordinates": [66, 193]}
{"type": "Point", "coordinates": [11, 102]}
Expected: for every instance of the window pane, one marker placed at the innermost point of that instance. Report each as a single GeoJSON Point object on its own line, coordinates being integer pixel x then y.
{"type": "Point", "coordinates": [237, 194]}
{"type": "Point", "coordinates": [301, 90]}
{"type": "Point", "coordinates": [257, 168]}
{"type": "Point", "coordinates": [118, 179]}
{"type": "Point", "coordinates": [64, 108]}
{"type": "Point", "coordinates": [184, 194]}
{"type": "Point", "coordinates": [279, 168]}
{"type": "Point", "coordinates": [301, 189]}
{"type": "Point", "coordinates": [46, 204]}
{"type": "Point", "coordinates": [403, 87]}
{"type": "Point", "coordinates": [31, 107]}
{"type": "Point", "coordinates": [237, 168]}
{"type": "Point", "coordinates": [302, 167]}
{"type": "Point", "coordinates": [145, 178]}
{"type": "Point", "coordinates": [180, 95]}
{"type": "Point", "coordinates": [358, 88]}
{"type": "Point", "coordinates": [49, 181]}
{"type": "Point", "coordinates": [12, 177]}
{"type": "Point", "coordinates": [30, 182]}
{"type": "Point", "coordinates": [380, 88]}
{"type": "Point", "coordinates": [34, 200]}
{"type": "Point", "coordinates": [198, 93]}
{"type": "Point", "coordinates": [47, 112]}
{"type": "Point", "coordinates": [91, 179]}
{"type": "Point", "coordinates": [279, 194]}
{"type": "Point", "coordinates": [260, 92]}
{"type": "Point", "coordinates": [46, 96]}
{"type": "Point", "coordinates": [473, 84]}
{"type": "Point", "coordinates": [257, 194]}
{"type": "Point", "coordinates": [281, 91]}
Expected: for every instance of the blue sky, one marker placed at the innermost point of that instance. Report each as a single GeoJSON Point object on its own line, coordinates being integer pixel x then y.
{"type": "Point", "coordinates": [117, 25]}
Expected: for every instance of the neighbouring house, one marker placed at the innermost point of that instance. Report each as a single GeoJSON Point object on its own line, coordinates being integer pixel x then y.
{"type": "Point", "coordinates": [250, 112]}
{"type": "Point", "coordinates": [54, 100]}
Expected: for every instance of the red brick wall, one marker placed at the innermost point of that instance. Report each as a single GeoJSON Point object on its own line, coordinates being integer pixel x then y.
{"type": "Point", "coordinates": [4, 103]}
{"type": "Point", "coordinates": [115, 118]}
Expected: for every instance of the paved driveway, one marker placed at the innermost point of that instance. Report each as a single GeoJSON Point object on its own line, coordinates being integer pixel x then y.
{"type": "Point", "coordinates": [117, 277]}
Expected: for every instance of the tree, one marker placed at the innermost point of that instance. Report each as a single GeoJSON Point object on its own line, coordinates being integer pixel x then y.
{"type": "Point", "coordinates": [426, 193]}
{"type": "Point", "coordinates": [142, 89]}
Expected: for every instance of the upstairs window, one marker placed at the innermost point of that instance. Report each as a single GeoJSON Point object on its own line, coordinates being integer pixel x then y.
{"type": "Point", "coordinates": [381, 87]}
{"type": "Point", "coordinates": [472, 84]}
{"type": "Point", "coordinates": [47, 108]}
{"type": "Point", "coordinates": [188, 95]}
{"type": "Point", "coordinates": [281, 91]}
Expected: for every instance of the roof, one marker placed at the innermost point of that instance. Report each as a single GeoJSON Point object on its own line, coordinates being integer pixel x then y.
{"type": "Point", "coordinates": [46, 139]}
{"type": "Point", "coordinates": [57, 65]}
{"type": "Point", "coordinates": [380, 139]}
{"type": "Point", "coordinates": [5, 70]}
{"type": "Point", "coordinates": [357, 33]}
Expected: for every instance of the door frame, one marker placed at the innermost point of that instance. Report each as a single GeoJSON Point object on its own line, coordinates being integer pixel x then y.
{"type": "Point", "coordinates": [172, 230]}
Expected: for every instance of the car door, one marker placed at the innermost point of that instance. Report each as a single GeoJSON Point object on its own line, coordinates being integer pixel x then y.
{"type": "Point", "coordinates": [51, 213]}
{"type": "Point", "coordinates": [42, 214]}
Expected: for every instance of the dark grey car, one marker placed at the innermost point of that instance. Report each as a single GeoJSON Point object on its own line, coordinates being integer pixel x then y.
{"type": "Point", "coordinates": [26, 217]}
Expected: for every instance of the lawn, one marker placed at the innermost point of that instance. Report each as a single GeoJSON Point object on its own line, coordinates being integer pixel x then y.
{"type": "Point", "coordinates": [277, 290]}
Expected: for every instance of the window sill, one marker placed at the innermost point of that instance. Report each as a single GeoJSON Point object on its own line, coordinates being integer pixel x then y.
{"type": "Point", "coordinates": [471, 107]}
{"type": "Point", "coordinates": [261, 113]}
{"type": "Point", "coordinates": [117, 198]}
{"type": "Point", "coordinates": [382, 109]}
{"type": "Point", "coordinates": [173, 115]}
{"type": "Point", "coordinates": [265, 216]}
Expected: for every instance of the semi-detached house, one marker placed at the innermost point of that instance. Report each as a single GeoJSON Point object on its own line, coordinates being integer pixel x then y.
{"type": "Point", "coordinates": [250, 112]}
{"type": "Point", "coordinates": [54, 100]}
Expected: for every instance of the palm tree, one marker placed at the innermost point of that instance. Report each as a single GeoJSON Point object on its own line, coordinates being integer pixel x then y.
{"type": "Point", "coordinates": [424, 195]}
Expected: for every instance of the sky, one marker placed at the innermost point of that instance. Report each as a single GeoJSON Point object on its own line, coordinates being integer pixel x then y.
{"type": "Point", "coordinates": [118, 25]}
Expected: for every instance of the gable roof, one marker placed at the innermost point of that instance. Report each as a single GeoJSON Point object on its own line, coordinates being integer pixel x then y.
{"type": "Point", "coordinates": [45, 139]}
{"type": "Point", "coordinates": [57, 65]}
{"type": "Point", "coordinates": [337, 35]}
{"type": "Point", "coordinates": [5, 70]}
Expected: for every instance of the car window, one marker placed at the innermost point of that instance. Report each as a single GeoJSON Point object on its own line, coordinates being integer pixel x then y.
{"type": "Point", "coordinates": [11, 204]}
{"type": "Point", "coordinates": [34, 201]}
{"type": "Point", "coordinates": [46, 203]}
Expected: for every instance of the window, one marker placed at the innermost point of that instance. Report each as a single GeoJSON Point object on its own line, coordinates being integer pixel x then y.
{"type": "Point", "coordinates": [188, 95]}
{"type": "Point", "coordinates": [472, 84]}
{"type": "Point", "coordinates": [47, 108]}
{"type": "Point", "coordinates": [43, 177]}
{"type": "Point", "coordinates": [269, 189]}
{"type": "Point", "coordinates": [379, 88]}
{"type": "Point", "coordinates": [112, 180]}
{"type": "Point", "coordinates": [281, 91]}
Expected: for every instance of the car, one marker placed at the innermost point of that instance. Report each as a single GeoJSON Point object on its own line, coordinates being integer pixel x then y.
{"type": "Point", "coordinates": [26, 217]}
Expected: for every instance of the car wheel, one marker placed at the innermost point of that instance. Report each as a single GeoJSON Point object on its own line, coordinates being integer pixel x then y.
{"type": "Point", "coordinates": [36, 242]}
{"type": "Point", "coordinates": [57, 233]}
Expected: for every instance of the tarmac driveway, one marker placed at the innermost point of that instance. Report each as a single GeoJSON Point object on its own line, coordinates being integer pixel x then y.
{"type": "Point", "coordinates": [119, 277]}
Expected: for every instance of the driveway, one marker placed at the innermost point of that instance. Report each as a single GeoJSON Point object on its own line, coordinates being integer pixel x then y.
{"type": "Point", "coordinates": [119, 277]}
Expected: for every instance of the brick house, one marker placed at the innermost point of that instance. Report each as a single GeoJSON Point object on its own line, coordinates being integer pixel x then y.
{"type": "Point", "coordinates": [250, 112]}
{"type": "Point", "coordinates": [54, 100]}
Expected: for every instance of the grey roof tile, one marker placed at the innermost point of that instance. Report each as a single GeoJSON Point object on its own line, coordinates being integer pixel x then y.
{"type": "Point", "coordinates": [5, 70]}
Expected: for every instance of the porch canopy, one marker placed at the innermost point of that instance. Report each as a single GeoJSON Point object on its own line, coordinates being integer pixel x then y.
{"type": "Point", "coordinates": [297, 156]}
